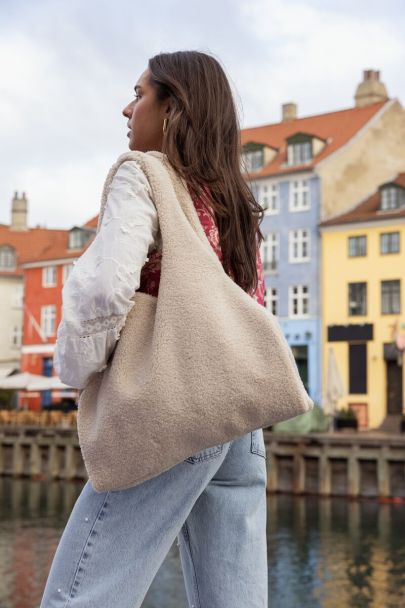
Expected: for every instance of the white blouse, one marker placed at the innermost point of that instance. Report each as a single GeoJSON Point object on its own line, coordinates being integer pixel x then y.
{"type": "Point", "coordinates": [96, 297]}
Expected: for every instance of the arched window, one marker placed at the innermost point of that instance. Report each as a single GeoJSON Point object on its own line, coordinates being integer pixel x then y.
{"type": "Point", "coordinates": [7, 258]}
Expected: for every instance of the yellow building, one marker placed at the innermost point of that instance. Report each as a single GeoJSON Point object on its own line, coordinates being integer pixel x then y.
{"type": "Point", "coordinates": [363, 304]}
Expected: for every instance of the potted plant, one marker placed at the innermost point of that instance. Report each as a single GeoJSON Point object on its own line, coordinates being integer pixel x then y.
{"type": "Point", "coordinates": [346, 419]}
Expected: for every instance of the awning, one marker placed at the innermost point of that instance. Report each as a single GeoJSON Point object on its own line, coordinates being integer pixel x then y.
{"type": "Point", "coordinates": [32, 382]}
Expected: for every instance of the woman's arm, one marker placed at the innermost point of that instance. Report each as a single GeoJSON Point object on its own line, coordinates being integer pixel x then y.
{"type": "Point", "coordinates": [97, 294]}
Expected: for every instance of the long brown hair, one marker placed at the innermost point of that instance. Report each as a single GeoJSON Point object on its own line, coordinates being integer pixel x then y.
{"type": "Point", "coordinates": [202, 143]}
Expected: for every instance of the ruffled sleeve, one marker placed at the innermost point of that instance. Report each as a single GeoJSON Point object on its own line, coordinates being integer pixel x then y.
{"type": "Point", "coordinates": [97, 295]}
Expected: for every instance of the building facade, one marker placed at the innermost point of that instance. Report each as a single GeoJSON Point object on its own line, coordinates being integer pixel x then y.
{"type": "Point", "coordinates": [303, 171]}
{"type": "Point", "coordinates": [363, 300]}
{"type": "Point", "coordinates": [44, 277]}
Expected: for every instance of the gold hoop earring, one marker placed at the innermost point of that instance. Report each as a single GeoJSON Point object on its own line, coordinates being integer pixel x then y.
{"type": "Point", "coordinates": [165, 125]}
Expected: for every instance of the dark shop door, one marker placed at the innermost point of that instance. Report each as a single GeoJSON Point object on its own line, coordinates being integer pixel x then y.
{"type": "Point", "coordinates": [394, 388]}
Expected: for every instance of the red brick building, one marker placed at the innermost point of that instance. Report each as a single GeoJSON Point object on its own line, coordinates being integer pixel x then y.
{"type": "Point", "coordinates": [45, 273]}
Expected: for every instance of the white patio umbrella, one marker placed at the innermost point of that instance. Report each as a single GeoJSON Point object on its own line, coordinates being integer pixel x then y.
{"type": "Point", "coordinates": [334, 385]}
{"type": "Point", "coordinates": [46, 383]}
{"type": "Point", "coordinates": [31, 382]}
{"type": "Point", "coordinates": [18, 381]}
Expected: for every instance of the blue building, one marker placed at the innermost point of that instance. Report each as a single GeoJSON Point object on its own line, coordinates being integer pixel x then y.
{"type": "Point", "coordinates": [303, 171]}
{"type": "Point", "coordinates": [290, 255]}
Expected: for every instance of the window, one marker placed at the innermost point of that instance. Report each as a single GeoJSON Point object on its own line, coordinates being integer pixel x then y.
{"type": "Point", "coordinates": [78, 237]}
{"type": "Point", "coordinates": [392, 197]}
{"type": "Point", "coordinates": [16, 336]}
{"type": "Point", "coordinates": [358, 368]}
{"type": "Point", "coordinates": [48, 319]}
{"type": "Point", "coordinates": [299, 153]}
{"type": "Point", "coordinates": [299, 245]}
{"type": "Point", "coordinates": [389, 242]}
{"type": "Point", "coordinates": [269, 251]}
{"type": "Point", "coordinates": [75, 239]}
{"type": "Point", "coordinates": [357, 246]}
{"type": "Point", "coordinates": [67, 268]}
{"type": "Point", "coordinates": [7, 258]}
{"type": "Point", "coordinates": [299, 300]}
{"type": "Point", "coordinates": [269, 198]}
{"type": "Point", "coordinates": [274, 198]}
{"type": "Point", "coordinates": [252, 160]}
{"type": "Point", "coordinates": [18, 296]}
{"type": "Point", "coordinates": [271, 299]}
{"type": "Point", "coordinates": [49, 276]}
{"type": "Point", "coordinates": [263, 196]}
{"type": "Point", "coordinates": [357, 299]}
{"type": "Point", "coordinates": [299, 195]}
{"type": "Point", "coordinates": [391, 297]}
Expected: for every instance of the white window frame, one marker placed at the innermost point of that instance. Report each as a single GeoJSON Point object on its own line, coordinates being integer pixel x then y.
{"type": "Point", "coordinates": [300, 293]}
{"type": "Point", "coordinates": [49, 276]}
{"type": "Point", "coordinates": [270, 251]}
{"type": "Point", "coordinates": [271, 299]}
{"type": "Point", "coordinates": [18, 297]}
{"type": "Point", "coordinates": [67, 269]}
{"type": "Point", "coordinates": [298, 240]}
{"type": "Point", "coordinates": [300, 195]}
{"type": "Point", "coordinates": [270, 198]}
{"type": "Point", "coordinates": [7, 258]}
{"type": "Point", "coordinates": [392, 198]}
{"type": "Point", "coordinates": [48, 320]}
{"type": "Point", "coordinates": [299, 153]}
{"type": "Point", "coordinates": [252, 160]}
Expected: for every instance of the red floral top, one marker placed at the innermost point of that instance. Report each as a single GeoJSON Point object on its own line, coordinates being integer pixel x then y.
{"type": "Point", "coordinates": [150, 273]}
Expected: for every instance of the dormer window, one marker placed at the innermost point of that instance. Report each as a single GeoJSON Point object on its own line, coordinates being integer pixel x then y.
{"type": "Point", "coordinates": [392, 197]}
{"type": "Point", "coordinates": [302, 147]}
{"type": "Point", "coordinates": [78, 237]}
{"type": "Point", "coordinates": [253, 160]}
{"type": "Point", "coordinates": [299, 153]}
{"type": "Point", "coordinates": [7, 258]}
{"type": "Point", "coordinates": [255, 156]}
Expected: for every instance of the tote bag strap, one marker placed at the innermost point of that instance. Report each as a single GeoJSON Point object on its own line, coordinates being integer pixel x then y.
{"type": "Point", "coordinates": [147, 162]}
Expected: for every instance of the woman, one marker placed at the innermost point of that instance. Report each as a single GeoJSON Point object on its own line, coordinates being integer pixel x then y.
{"type": "Point", "coordinates": [214, 502]}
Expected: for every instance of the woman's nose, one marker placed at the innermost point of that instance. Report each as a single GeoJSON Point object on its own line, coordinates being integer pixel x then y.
{"type": "Point", "coordinates": [126, 112]}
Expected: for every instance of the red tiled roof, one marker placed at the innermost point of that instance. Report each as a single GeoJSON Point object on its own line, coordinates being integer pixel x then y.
{"type": "Point", "coordinates": [336, 128]}
{"type": "Point", "coordinates": [369, 209]}
{"type": "Point", "coordinates": [38, 244]}
{"type": "Point", "coordinates": [92, 223]}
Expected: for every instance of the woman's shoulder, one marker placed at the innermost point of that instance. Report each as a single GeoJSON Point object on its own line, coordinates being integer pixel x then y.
{"type": "Point", "coordinates": [129, 172]}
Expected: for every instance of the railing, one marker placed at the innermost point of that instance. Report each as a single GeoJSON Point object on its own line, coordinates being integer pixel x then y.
{"type": "Point", "coordinates": [342, 464]}
{"type": "Point", "coordinates": [42, 419]}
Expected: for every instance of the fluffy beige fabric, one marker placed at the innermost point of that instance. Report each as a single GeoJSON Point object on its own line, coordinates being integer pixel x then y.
{"type": "Point", "coordinates": [200, 365]}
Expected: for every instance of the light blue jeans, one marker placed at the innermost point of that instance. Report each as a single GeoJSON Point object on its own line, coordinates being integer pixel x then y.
{"type": "Point", "coordinates": [214, 502]}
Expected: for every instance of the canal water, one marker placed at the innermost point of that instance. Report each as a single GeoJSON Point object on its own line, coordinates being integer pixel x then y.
{"type": "Point", "coordinates": [322, 553]}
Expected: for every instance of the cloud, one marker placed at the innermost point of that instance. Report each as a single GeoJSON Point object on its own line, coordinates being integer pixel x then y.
{"type": "Point", "coordinates": [315, 55]}
{"type": "Point", "coordinates": [68, 69]}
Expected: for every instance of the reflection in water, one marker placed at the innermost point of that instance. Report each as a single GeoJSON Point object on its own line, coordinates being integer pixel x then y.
{"type": "Point", "coordinates": [322, 553]}
{"type": "Point", "coordinates": [335, 553]}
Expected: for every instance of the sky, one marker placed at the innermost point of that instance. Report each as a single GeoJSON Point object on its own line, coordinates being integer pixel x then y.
{"type": "Point", "coordinates": [69, 67]}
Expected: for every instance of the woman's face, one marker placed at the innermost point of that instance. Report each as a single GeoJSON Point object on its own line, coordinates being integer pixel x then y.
{"type": "Point", "coordinates": [145, 117]}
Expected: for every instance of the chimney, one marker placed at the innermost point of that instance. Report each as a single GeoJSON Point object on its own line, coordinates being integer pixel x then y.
{"type": "Point", "coordinates": [289, 111]}
{"type": "Point", "coordinates": [370, 90]}
{"type": "Point", "coordinates": [19, 212]}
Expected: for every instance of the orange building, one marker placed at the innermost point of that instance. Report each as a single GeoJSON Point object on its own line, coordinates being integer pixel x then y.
{"type": "Point", "coordinates": [45, 273]}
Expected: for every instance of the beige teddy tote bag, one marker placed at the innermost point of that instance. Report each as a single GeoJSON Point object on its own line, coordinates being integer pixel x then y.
{"type": "Point", "coordinates": [201, 364]}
